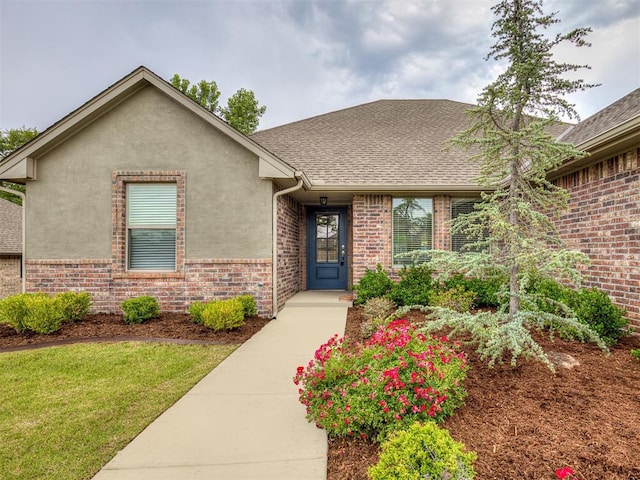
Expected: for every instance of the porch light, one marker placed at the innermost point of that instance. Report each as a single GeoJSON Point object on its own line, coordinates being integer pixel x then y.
{"type": "Point", "coordinates": [323, 201]}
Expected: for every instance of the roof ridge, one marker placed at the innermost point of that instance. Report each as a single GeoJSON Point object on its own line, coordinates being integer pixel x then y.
{"type": "Point", "coordinates": [361, 105]}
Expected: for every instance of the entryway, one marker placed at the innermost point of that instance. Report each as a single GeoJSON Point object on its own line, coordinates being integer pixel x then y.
{"type": "Point", "coordinates": [327, 249]}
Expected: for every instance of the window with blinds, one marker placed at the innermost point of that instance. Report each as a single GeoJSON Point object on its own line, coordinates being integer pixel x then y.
{"type": "Point", "coordinates": [460, 206]}
{"type": "Point", "coordinates": [412, 229]}
{"type": "Point", "coordinates": [151, 226]}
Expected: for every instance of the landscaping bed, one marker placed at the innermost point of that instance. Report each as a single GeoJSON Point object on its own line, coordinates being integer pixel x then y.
{"type": "Point", "coordinates": [111, 326]}
{"type": "Point", "coordinates": [526, 422]}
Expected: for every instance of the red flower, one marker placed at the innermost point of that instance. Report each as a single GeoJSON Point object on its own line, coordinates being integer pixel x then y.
{"type": "Point", "coordinates": [561, 473]}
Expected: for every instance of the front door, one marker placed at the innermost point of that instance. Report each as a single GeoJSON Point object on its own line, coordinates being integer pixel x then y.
{"type": "Point", "coordinates": [327, 248]}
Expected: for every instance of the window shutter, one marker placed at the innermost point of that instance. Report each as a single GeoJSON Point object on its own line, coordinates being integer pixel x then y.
{"type": "Point", "coordinates": [412, 227]}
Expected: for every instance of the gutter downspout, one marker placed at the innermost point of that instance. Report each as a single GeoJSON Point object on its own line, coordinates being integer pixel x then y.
{"type": "Point", "coordinates": [274, 248]}
{"type": "Point", "coordinates": [24, 233]}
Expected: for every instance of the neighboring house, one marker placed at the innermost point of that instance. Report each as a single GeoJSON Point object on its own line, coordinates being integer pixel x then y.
{"type": "Point", "coordinates": [10, 248]}
{"type": "Point", "coordinates": [142, 191]}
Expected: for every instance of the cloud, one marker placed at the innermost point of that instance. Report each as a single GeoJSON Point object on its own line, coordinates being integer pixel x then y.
{"type": "Point", "coordinates": [300, 57]}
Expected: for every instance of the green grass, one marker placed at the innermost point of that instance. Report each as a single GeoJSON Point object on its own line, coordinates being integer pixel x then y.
{"type": "Point", "coordinates": [66, 411]}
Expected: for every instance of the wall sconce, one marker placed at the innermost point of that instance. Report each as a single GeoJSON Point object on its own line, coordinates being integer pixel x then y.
{"type": "Point", "coordinates": [323, 201]}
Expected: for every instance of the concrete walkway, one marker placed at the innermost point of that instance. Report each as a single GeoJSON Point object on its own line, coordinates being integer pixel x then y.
{"type": "Point", "coordinates": [243, 420]}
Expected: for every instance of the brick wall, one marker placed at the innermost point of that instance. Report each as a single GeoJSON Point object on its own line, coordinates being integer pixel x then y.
{"type": "Point", "coordinates": [603, 221]}
{"type": "Point", "coordinates": [302, 247]}
{"type": "Point", "coordinates": [201, 280]}
{"type": "Point", "coordinates": [10, 281]}
{"type": "Point", "coordinates": [441, 223]}
{"type": "Point", "coordinates": [289, 258]}
{"type": "Point", "coordinates": [371, 233]}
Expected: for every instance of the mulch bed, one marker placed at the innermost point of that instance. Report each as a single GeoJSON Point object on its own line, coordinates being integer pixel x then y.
{"type": "Point", "coordinates": [523, 422]}
{"type": "Point", "coordinates": [106, 327]}
{"type": "Point", "coordinates": [526, 422]}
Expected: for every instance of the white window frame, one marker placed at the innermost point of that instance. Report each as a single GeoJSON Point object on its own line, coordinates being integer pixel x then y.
{"type": "Point", "coordinates": [171, 224]}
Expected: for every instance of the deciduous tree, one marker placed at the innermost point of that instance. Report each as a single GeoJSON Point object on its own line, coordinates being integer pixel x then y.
{"type": "Point", "coordinates": [11, 140]}
{"type": "Point", "coordinates": [242, 112]}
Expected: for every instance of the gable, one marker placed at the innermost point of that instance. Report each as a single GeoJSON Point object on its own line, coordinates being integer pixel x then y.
{"type": "Point", "coordinates": [22, 164]}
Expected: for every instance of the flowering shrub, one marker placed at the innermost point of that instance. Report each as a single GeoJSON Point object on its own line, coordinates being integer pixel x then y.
{"type": "Point", "coordinates": [397, 377]}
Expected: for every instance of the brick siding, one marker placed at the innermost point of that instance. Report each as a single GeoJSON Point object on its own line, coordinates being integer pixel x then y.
{"type": "Point", "coordinates": [289, 248]}
{"type": "Point", "coordinates": [371, 233]}
{"type": "Point", "coordinates": [302, 247]}
{"type": "Point", "coordinates": [201, 280]}
{"type": "Point", "coordinates": [441, 223]}
{"type": "Point", "coordinates": [603, 221]}
{"type": "Point", "coordinates": [10, 281]}
{"type": "Point", "coordinates": [119, 180]}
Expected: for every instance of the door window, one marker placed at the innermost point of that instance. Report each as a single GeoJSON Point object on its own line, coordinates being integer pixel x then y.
{"type": "Point", "coordinates": [327, 235]}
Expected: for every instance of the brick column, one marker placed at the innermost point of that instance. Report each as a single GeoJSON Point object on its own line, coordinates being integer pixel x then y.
{"type": "Point", "coordinates": [442, 222]}
{"type": "Point", "coordinates": [371, 233]}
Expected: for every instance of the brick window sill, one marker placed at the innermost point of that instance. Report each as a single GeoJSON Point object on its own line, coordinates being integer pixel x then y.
{"type": "Point", "coordinates": [150, 275]}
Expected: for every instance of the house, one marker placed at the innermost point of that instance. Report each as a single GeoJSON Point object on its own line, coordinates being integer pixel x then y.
{"type": "Point", "coordinates": [603, 218]}
{"type": "Point", "coordinates": [142, 191]}
{"type": "Point", "coordinates": [10, 248]}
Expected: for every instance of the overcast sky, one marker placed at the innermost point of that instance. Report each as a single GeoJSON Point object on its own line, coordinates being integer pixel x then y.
{"type": "Point", "coordinates": [300, 57]}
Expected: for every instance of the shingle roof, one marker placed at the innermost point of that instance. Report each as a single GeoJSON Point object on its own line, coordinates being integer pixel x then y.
{"type": "Point", "coordinates": [387, 142]}
{"type": "Point", "coordinates": [609, 117]}
{"type": "Point", "coordinates": [10, 228]}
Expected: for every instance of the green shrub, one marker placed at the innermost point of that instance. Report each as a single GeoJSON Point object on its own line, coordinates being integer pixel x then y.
{"type": "Point", "coordinates": [423, 452]}
{"type": "Point", "coordinates": [414, 286]}
{"type": "Point", "coordinates": [13, 311]}
{"type": "Point", "coordinates": [43, 314]}
{"type": "Point", "coordinates": [594, 308]}
{"type": "Point", "coordinates": [73, 305]}
{"type": "Point", "coordinates": [374, 283]}
{"type": "Point", "coordinates": [223, 314]}
{"type": "Point", "coordinates": [487, 291]}
{"type": "Point", "coordinates": [550, 295]}
{"type": "Point", "coordinates": [35, 312]}
{"type": "Point", "coordinates": [636, 353]}
{"type": "Point", "coordinates": [375, 310]}
{"type": "Point", "coordinates": [457, 299]}
{"type": "Point", "coordinates": [140, 309]}
{"type": "Point", "coordinates": [195, 310]}
{"type": "Point", "coordinates": [249, 306]}
{"type": "Point", "coordinates": [397, 377]}
{"type": "Point", "coordinates": [378, 308]}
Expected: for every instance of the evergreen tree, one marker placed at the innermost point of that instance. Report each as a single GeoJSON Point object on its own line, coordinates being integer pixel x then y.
{"type": "Point", "coordinates": [510, 131]}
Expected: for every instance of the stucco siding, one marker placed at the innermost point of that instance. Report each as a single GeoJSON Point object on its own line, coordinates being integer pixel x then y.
{"type": "Point", "coordinates": [228, 208]}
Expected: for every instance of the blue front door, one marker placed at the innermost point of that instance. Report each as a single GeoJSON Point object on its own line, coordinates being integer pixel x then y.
{"type": "Point", "coordinates": [327, 248]}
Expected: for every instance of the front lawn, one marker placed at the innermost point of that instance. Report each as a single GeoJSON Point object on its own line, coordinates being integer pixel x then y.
{"type": "Point", "coordinates": [66, 411]}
